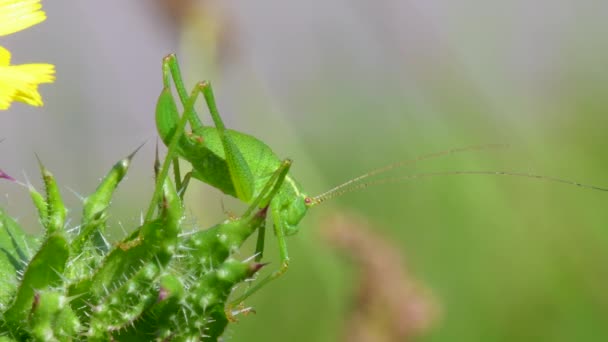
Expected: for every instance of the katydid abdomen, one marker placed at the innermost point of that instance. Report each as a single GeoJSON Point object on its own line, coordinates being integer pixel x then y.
{"type": "Point", "coordinates": [211, 167]}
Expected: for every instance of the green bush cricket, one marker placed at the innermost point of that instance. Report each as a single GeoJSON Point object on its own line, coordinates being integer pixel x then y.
{"type": "Point", "coordinates": [241, 165]}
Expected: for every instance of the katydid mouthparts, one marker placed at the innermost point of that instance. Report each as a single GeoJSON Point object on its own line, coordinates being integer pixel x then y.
{"type": "Point", "coordinates": [242, 166]}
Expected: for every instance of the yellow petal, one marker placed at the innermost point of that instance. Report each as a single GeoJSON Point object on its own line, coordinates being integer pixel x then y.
{"type": "Point", "coordinates": [16, 15]}
{"type": "Point", "coordinates": [20, 82]}
{"type": "Point", "coordinates": [7, 92]}
{"type": "Point", "coordinates": [6, 96]}
{"type": "Point", "coordinates": [5, 56]}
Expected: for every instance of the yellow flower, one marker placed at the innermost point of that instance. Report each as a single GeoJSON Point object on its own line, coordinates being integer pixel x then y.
{"type": "Point", "coordinates": [20, 82]}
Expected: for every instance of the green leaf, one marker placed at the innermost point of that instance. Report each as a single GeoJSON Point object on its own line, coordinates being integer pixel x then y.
{"type": "Point", "coordinates": [16, 249]}
{"type": "Point", "coordinates": [43, 272]}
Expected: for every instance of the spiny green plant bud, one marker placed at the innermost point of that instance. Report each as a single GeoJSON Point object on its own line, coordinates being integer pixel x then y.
{"type": "Point", "coordinates": [170, 292]}
{"type": "Point", "coordinates": [43, 272]}
{"type": "Point", "coordinates": [157, 283]}
{"type": "Point", "coordinates": [126, 304]}
{"type": "Point", "coordinates": [51, 317]}
{"type": "Point", "coordinates": [159, 318]}
{"type": "Point", "coordinates": [210, 248]}
{"type": "Point", "coordinates": [206, 299]}
{"type": "Point", "coordinates": [150, 248]}
{"type": "Point", "coordinates": [40, 204]}
{"type": "Point", "coordinates": [55, 209]}
{"type": "Point", "coordinates": [94, 208]}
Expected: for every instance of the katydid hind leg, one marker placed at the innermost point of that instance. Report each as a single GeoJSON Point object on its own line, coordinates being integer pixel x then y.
{"type": "Point", "coordinates": [240, 173]}
{"type": "Point", "coordinates": [184, 185]}
{"type": "Point", "coordinates": [171, 126]}
{"type": "Point", "coordinates": [171, 67]}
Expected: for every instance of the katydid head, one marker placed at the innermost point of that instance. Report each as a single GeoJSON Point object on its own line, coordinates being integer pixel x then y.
{"type": "Point", "coordinates": [292, 210]}
{"type": "Point", "coordinates": [287, 201]}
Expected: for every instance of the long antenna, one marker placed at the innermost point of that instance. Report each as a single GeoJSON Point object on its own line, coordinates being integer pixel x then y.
{"type": "Point", "coordinates": [407, 162]}
{"type": "Point", "coordinates": [358, 186]}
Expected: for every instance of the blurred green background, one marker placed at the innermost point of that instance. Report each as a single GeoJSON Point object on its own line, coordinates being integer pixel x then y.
{"type": "Point", "coordinates": [342, 87]}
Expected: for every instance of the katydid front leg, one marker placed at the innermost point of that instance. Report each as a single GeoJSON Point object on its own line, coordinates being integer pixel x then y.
{"type": "Point", "coordinates": [278, 230]}
{"type": "Point", "coordinates": [269, 192]}
{"type": "Point", "coordinates": [172, 130]}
